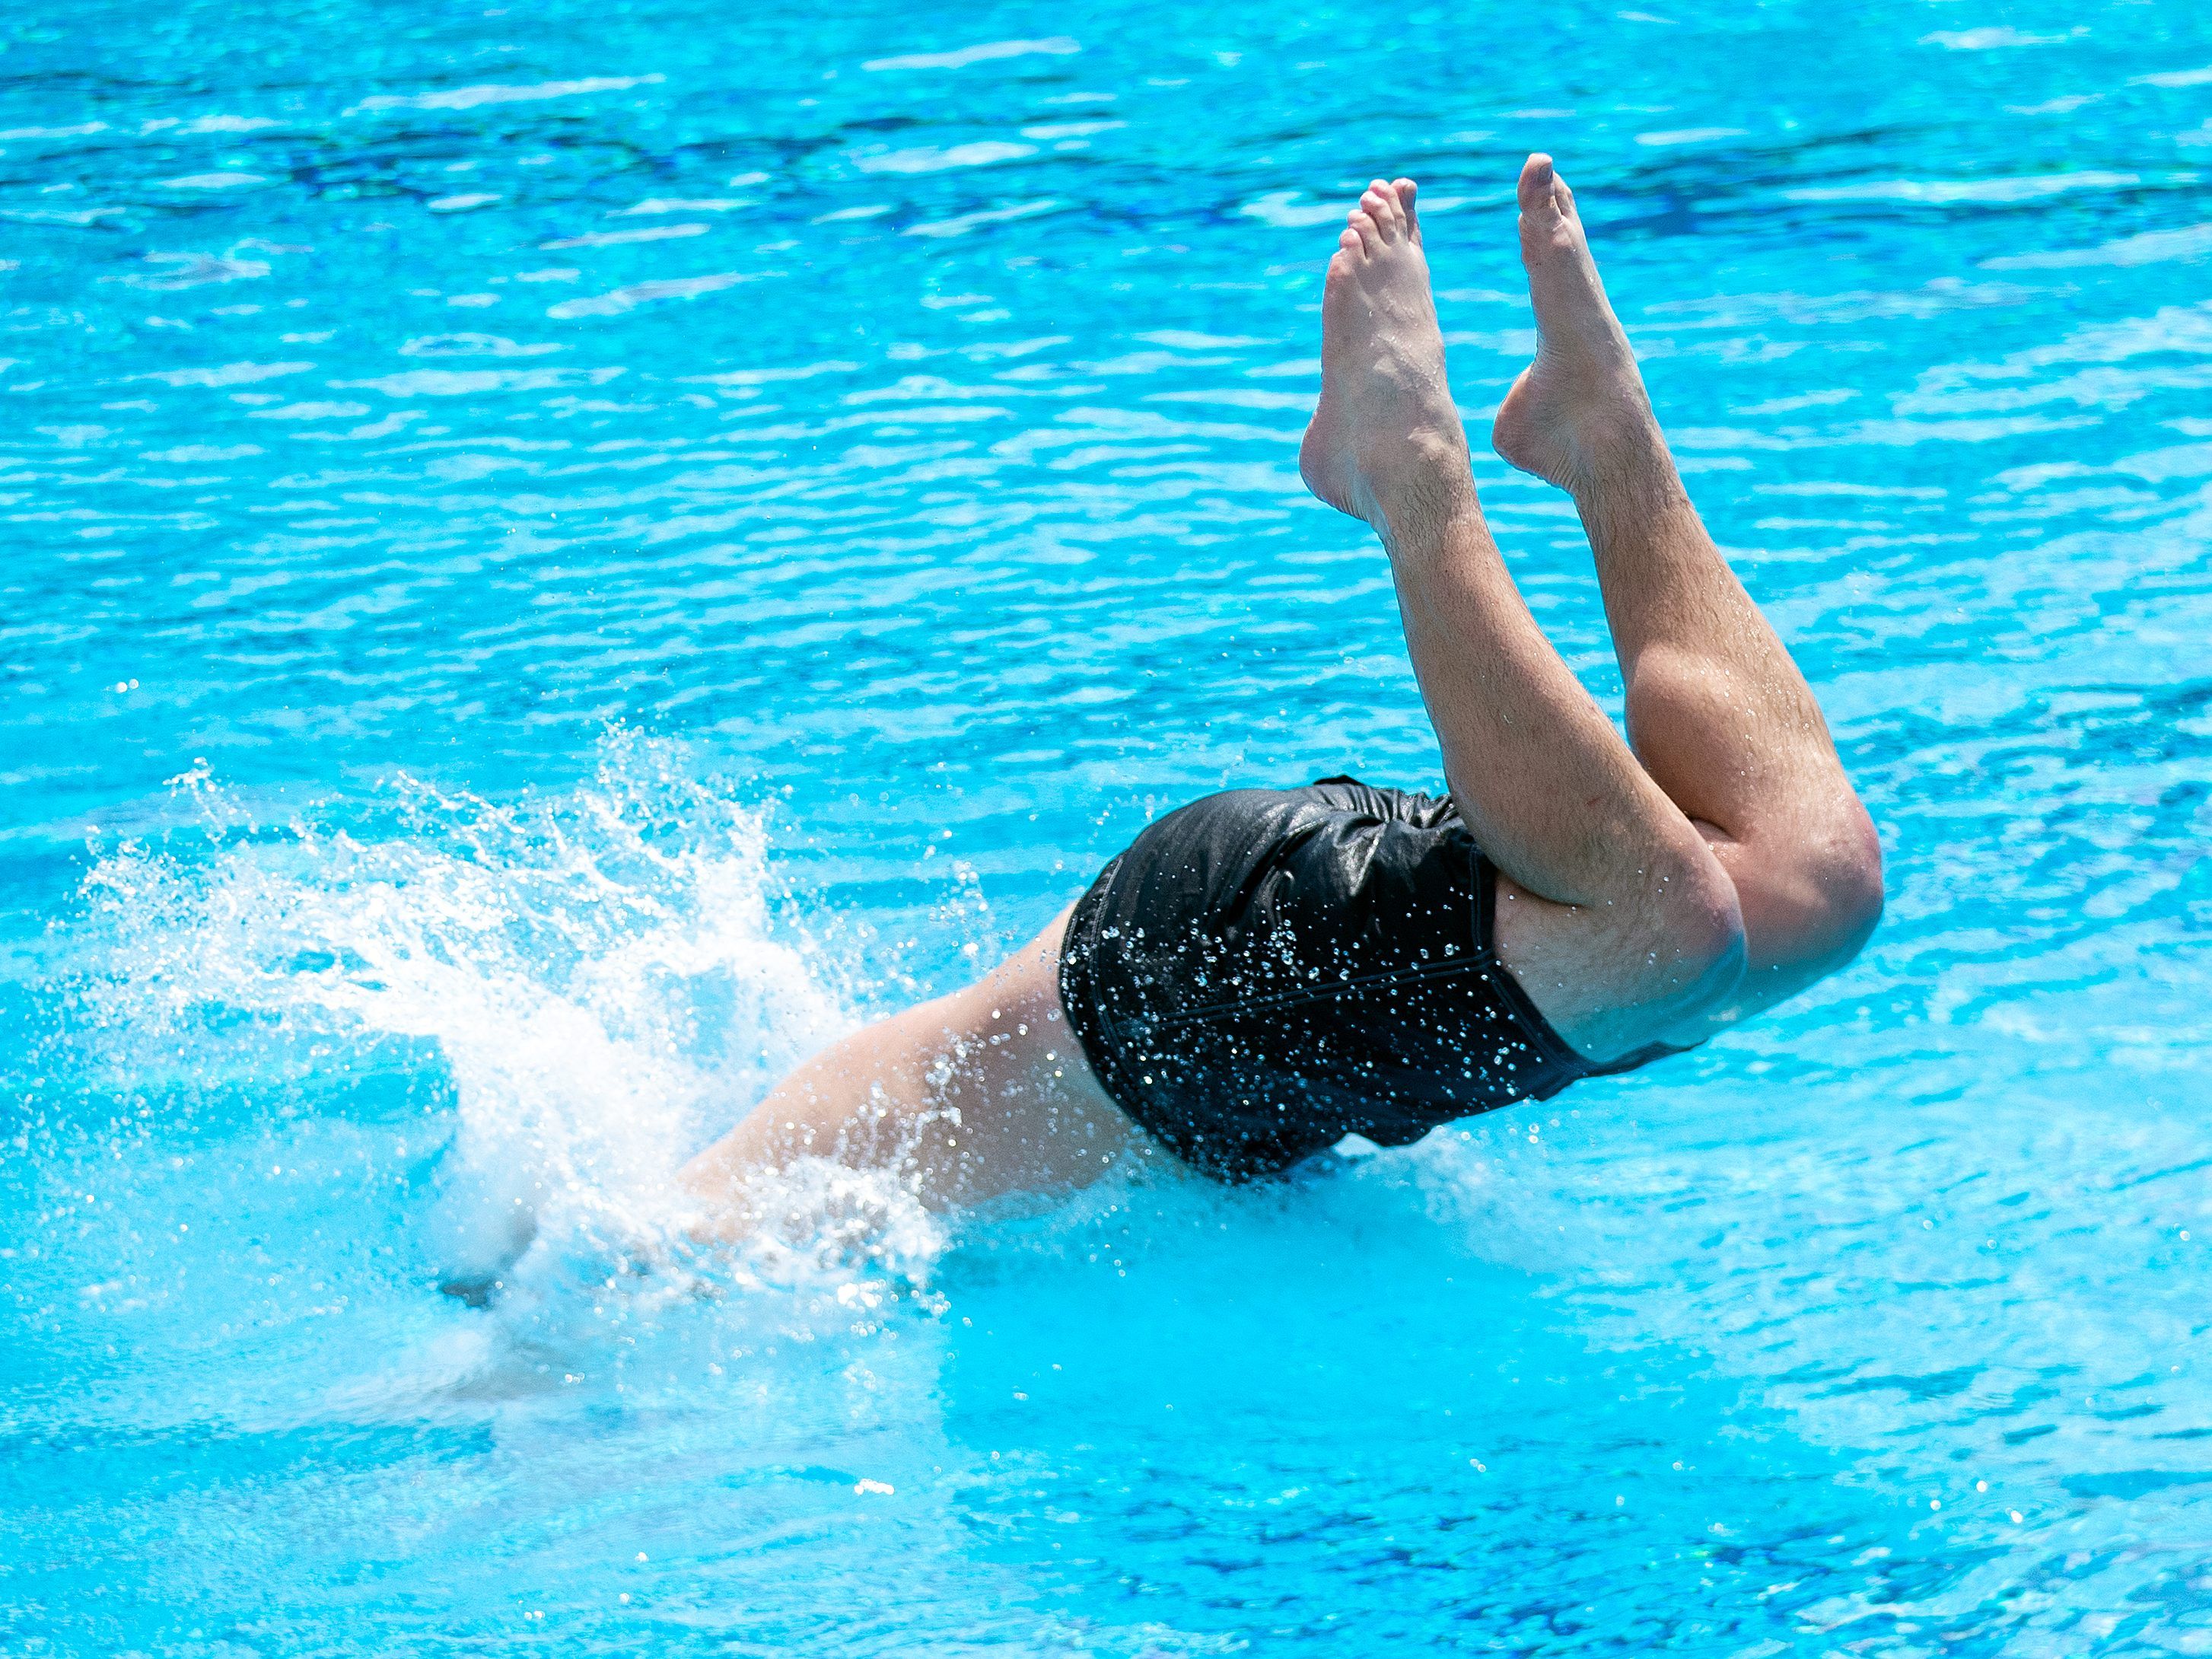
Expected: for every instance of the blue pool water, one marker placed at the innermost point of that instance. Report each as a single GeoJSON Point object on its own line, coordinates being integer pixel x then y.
{"type": "Point", "coordinates": [555, 556]}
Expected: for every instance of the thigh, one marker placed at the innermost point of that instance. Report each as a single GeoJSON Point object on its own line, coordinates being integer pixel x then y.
{"type": "Point", "coordinates": [1618, 980]}
{"type": "Point", "coordinates": [965, 1098]}
{"type": "Point", "coordinates": [1017, 1106]}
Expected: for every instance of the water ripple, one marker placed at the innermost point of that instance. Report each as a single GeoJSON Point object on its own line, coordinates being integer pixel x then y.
{"type": "Point", "coordinates": [884, 421]}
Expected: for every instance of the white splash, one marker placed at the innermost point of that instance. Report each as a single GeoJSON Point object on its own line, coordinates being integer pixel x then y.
{"type": "Point", "coordinates": [601, 974]}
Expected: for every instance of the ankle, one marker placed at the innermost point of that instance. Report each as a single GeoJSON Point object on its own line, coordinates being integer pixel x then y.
{"type": "Point", "coordinates": [1440, 531]}
{"type": "Point", "coordinates": [1632, 471]}
{"type": "Point", "coordinates": [1429, 487]}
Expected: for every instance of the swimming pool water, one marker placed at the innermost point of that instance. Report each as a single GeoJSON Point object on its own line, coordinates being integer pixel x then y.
{"type": "Point", "coordinates": [556, 556]}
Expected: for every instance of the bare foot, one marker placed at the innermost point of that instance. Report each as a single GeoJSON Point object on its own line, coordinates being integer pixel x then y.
{"type": "Point", "coordinates": [1385, 444]}
{"type": "Point", "coordinates": [1582, 403]}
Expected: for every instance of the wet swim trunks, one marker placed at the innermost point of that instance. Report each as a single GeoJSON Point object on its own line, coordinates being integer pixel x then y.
{"type": "Point", "coordinates": [1267, 970]}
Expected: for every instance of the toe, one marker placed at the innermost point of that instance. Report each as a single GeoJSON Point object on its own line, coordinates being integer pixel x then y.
{"type": "Point", "coordinates": [1405, 204]}
{"type": "Point", "coordinates": [1370, 234]}
{"type": "Point", "coordinates": [1380, 205]}
{"type": "Point", "coordinates": [1384, 206]}
{"type": "Point", "coordinates": [1536, 180]}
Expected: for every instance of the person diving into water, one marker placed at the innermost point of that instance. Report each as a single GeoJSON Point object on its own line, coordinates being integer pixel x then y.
{"type": "Point", "coordinates": [1267, 970]}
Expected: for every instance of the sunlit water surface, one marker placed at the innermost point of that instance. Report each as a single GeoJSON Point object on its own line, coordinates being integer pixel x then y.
{"type": "Point", "coordinates": [557, 557]}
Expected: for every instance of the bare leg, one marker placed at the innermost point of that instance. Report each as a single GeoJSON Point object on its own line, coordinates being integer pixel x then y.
{"type": "Point", "coordinates": [1623, 925]}
{"type": "Point", "coordinates": [978, 1094]}
{"type": "Point", "coordinates": [1629, 887]}
{"type": "Point", "coordinates": [1717, 713]}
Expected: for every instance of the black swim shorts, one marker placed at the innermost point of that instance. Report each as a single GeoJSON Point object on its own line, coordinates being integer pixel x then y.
{"type": "Point", "coordinates": [1267, 970]}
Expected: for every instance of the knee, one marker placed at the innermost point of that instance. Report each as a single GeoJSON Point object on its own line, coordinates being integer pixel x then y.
{"type": "Point", "coordinates": [1814, 898]}
{"type": "Point", "coordinates": [1705, 943]}
{"type": "Point", "coordinates": [1845, 874]}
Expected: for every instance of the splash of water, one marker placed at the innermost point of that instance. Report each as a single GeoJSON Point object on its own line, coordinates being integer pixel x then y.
{"type": "Point", "coordinates": [607, 978]}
